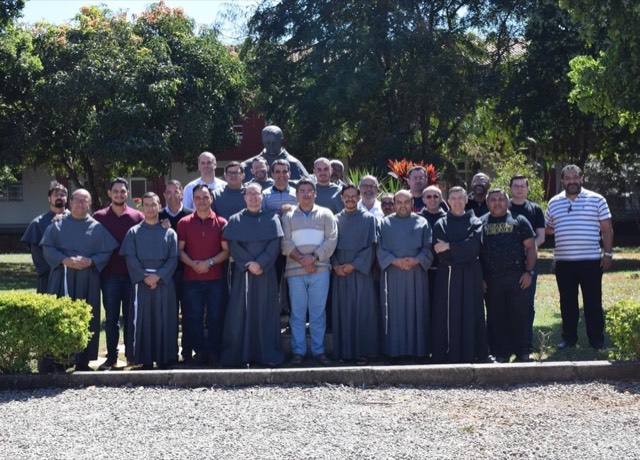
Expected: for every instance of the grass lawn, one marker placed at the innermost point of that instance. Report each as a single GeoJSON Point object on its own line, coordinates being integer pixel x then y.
{"type": "Point", "coordinates": [622, 282]}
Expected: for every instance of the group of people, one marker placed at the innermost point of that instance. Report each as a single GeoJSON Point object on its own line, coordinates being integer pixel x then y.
{"type": "Point", "coordinates": [402, 275]}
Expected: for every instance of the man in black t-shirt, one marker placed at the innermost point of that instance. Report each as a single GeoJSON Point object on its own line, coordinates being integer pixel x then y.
{"type": "Point", "coordinates": [508, 256]}
{"type": "Point", "coordinates": [521, 206]}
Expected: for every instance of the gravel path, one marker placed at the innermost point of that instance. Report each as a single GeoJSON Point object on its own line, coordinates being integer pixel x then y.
{"type": "Point", "coordinates": [563, 421]}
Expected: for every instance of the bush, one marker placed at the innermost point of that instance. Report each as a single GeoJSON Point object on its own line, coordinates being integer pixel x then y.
{"type": "Point", "coordinates": [623, 326]}
{"type": "Point", "coordinates": [39, 325]}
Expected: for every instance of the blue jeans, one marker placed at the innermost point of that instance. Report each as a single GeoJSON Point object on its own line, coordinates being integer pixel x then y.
{"type": "Point", "coordinates": [200, 297]}
{"type": "Point", "coordinates": [116, 292]}
{"type": "Point", "coordinates": [308, 293]}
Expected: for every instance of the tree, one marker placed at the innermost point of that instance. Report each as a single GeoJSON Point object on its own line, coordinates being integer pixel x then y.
{"type": "Point", "coordinates": [607, 83]}
{"type": "Point", "coordinates": [382, 79]}
{"type": "Point", "coordinates": [116, 97]}
{"type": "Point", "coordinates": [10, 10]}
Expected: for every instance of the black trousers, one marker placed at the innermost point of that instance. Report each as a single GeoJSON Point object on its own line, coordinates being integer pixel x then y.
{"type": "Point", "coordinates": [507, 316]}
{"type": "Point", "coordinates": [586, 274]}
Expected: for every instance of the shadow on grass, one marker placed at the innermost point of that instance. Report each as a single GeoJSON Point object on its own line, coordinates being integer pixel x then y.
{"type": "Point", "coordinates": [17, 276]}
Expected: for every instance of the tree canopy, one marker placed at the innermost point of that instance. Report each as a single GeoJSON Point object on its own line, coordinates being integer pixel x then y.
{"type": "Point", "coordinates": [114, 97]}
{"type": "Point", "coordinates": [607, 82]}
{"type": "Point", "coordinates": [385, 78]}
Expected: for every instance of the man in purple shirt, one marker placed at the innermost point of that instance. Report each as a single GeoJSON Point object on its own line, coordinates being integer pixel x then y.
{"type": "Point", "coordinates": [115, 283]}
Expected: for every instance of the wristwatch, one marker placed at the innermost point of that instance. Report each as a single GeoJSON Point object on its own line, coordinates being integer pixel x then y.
{"type": "Point", "coordinates": [608, 254]}
{"type": "Point", "coordinates": [315, 257]}
{"type": "Point", "coordinates": [210, 262]}
{"type": "Point", "coordinates": [531, 272]}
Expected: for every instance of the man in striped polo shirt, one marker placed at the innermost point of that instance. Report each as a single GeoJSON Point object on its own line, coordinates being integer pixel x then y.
{"type": "Point", "coordinates": [579, 218]}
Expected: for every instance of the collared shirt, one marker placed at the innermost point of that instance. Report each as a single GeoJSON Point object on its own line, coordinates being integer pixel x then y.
{"type": "Point", "coordinates": [576, 224]}
{"type": "Point", "coordinates": [203, 240]}
{"type": "Point", "coordinates": [187, 198]}
{"type": "Point", "coordinates": [118, 226]}
{"type": "Point", "coordinates": [376, 209]}
{"type": "Point", "coordinates": [273, 198]}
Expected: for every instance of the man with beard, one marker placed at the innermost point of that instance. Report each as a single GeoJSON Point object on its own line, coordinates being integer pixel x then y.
{"type": "Point", "coordinates": [480, 184]}
{"type": "Point", "coordinates": [355, 321]}
{"type": "Point", "coordinates": [404, 254]}
{"type": "Point", "coordinates": [508, 258]}
{"type": "Point", "coordinates": [328, 193]}
{"type": "Point", "coordinates": [151, 253]}
{"type": "Point", "coordinates": [579, 218]}
{"type": "Point", "coordinates": [459, 329]}
{"type": "Point", "coordinates": [230, 199]}
{"type": "Point", "coordinates": [33, 235]}
{"type": "Point", "coordinates": [207, 167]}
{"type": "Point", "coordinates": [337, 173]}
{"type": "Point", "coordinates": [115, 283]}
{"type": "Point", "coordinates": [273, 150]}
{"type": "Point", "coordinates": [369, 192]}
{"type": "Point", "coordinates": [260, 172]}
{"type": "Point", "coordinates": [77, 248]}
{"type": "Point", "coordinates": [252, 323]}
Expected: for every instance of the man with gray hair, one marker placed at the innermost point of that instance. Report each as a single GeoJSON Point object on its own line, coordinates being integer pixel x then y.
{"type": "Point", "coordinates": [272, 140]}
{"type": "Point", "coordinates": [337, 172]}
{"type": "Point", "coordinates": [207, 166]}
{"type": "Point", "coordinates": [368, 196]}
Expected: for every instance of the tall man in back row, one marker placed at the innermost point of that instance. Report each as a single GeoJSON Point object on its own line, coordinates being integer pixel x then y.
{"type": "Point", "coordinates": [579, 218]}
{"type": "Point", "coordinates": [115, 283]}
{"type": "Point", "coordinates": [33, 235]}
{"type": "Point", "coordinates": [77, 249]}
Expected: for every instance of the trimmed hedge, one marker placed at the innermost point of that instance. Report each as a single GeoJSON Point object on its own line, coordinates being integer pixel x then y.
{"type": "Point", "coordinates": [623, 326]}
{"type": "Point", "coordinates": [33, 326]}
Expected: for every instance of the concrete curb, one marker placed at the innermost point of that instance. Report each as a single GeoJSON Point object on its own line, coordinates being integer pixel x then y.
{"type": "Point", "coordinates": [424, 375]}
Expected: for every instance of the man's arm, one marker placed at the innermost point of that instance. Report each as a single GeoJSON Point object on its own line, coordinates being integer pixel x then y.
{"type": "Point", "coordinates": [606, 230]}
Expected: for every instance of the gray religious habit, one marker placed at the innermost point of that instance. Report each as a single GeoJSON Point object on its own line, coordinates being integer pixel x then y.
{"type": "Point", "coordinates": [404, 294]}
{"type": "Point", "coordinates": [86, 237]}
{"type": "Point", "coordinates": [33, 237]}
{"type": "Point", "coordinates": [152, 249]}
{"type": "Point", "coordinates": [355, 304]}
{"type": "Point", "coordinates": [252, 322]}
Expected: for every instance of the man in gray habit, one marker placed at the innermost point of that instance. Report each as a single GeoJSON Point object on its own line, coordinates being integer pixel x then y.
{"type": "Point", "coordinates": [355, 312]}
{"type": "Point", "coordinates": [404, 254]}
{"type": "Point", "coordinates": [151, 252]}
{"type": "Point", "coordinates": [77, 249]}
{"type": "Point", "coordinates": [252, 323]}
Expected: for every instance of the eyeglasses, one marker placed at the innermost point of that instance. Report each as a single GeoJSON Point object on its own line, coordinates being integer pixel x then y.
{"type": "Point", "coordinates": [368, 186]}
{"type": "Point", "coordinates": [233, 173]}
{"type": "Point", "coordinates": [386, 203]}
{"type": "Point", "coordinates": [431, 197]}
{"type": "Point", "coordinates": [518, 186]}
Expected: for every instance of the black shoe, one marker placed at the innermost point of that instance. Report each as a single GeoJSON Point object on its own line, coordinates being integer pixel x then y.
{"type": "Point", "coordinates": [297, 359]}
{"type": "Point", "coordinates": [108, 364]}
{"type": "Point", "coordinates": [566, 344]}
{"type": "Point", "coordinates": [83, 368]}
{"type": "Point", "coordinates": [502, 359]}
{"type": "Point", "coordinates": [597, 345]}
{"type": "Point", "coordinates": [526, 358]}
{"type": "Point", "coordinates": [322, 359]}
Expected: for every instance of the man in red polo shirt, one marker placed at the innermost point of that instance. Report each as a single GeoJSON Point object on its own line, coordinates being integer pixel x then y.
{"type": "Point", "coordinates": [202, 249]}
{"type": "Point", "coordinates": [115, 283]}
